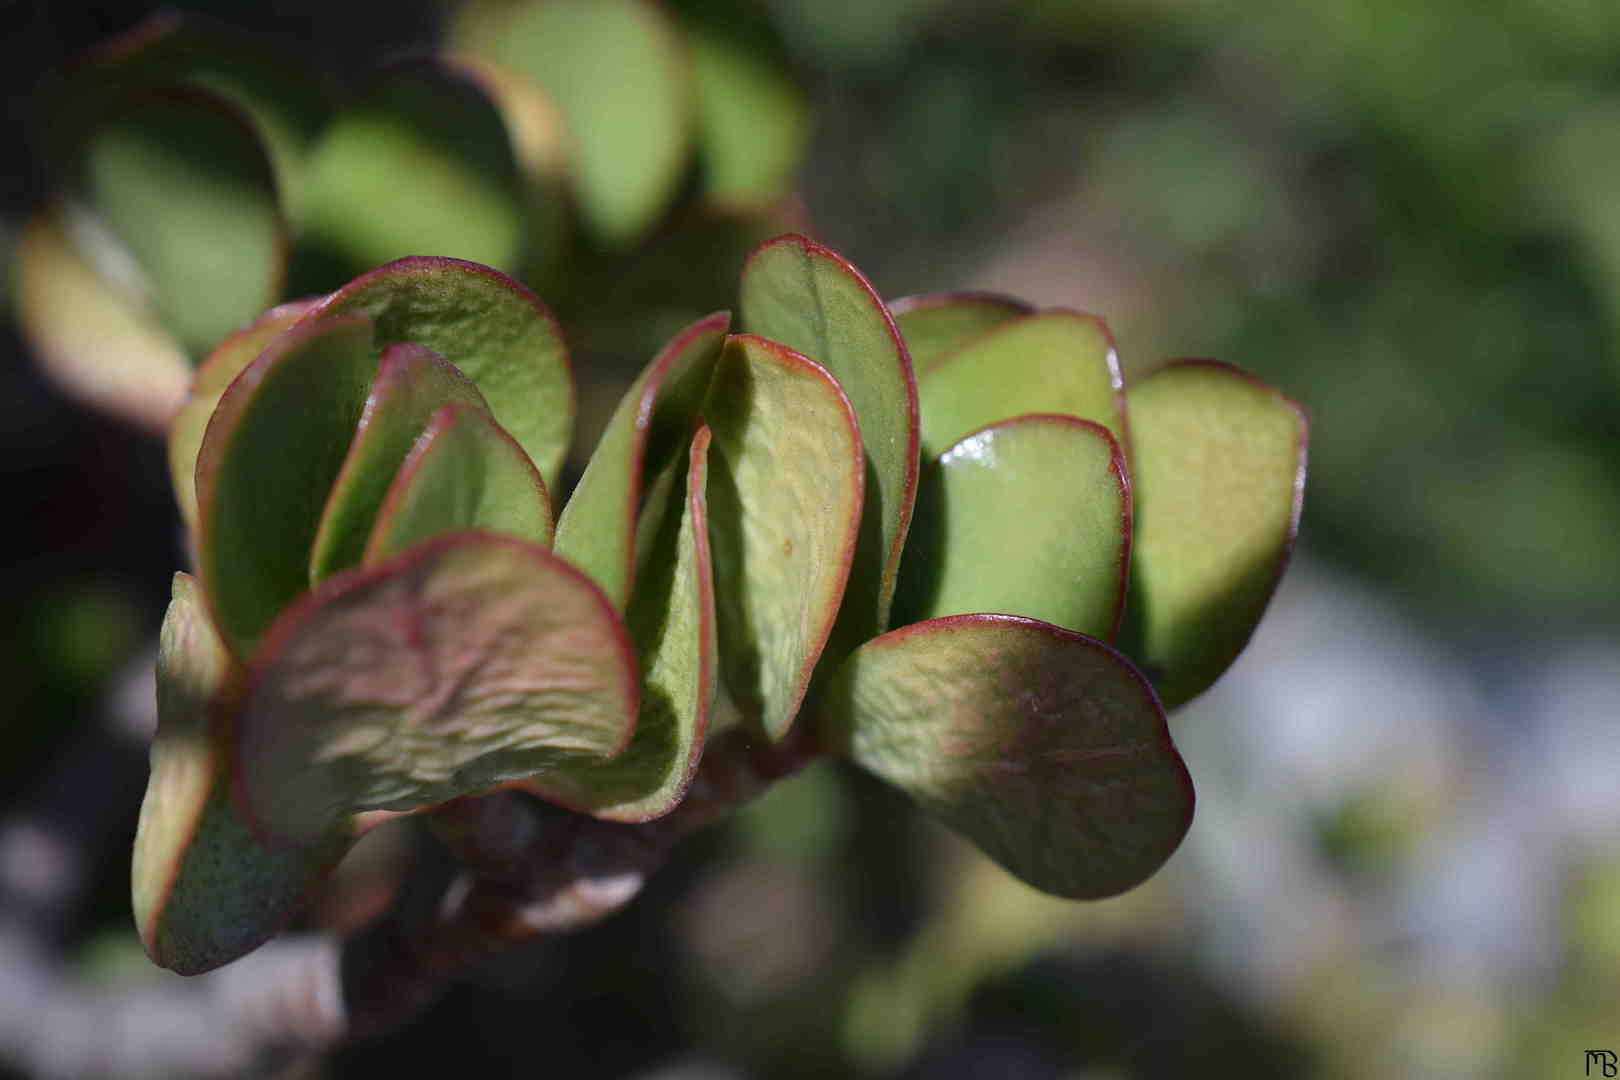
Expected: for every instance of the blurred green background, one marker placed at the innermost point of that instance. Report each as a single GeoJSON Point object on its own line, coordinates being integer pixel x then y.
{"type": "Point", "coordinates": [1407, 215]}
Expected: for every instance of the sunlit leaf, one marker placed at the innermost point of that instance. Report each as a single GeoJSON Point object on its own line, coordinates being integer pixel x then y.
{"type": "Point", "coordinates": [205, 889]}
{"type": "Point", "coordinates": [1031, 516]}
{"type": "Point", "coordinates": [412, 383]}
{"type": "Point", "coordinates": [463, 473]}
{"type": "Point", "coordinates": [784, 496]}
{"type": "Point", "coordinates": [276, 443]}
{"type": "Point", "coordinates": [1044, 747]}
{"type": "Point", "coordinates": [1218, 472]}
{"type": "Point", "coordinates": [812, 300]}
{"type": "Point", "coordinates": [753, 120]}
{"type": "Point", "coordinates": [466, 662]}
{"type": "Point", "coordinates": [651, 425]}
{"type": "Point", "coordinates": [1052, 362]}
{"type": "Point", "coordinates": [492, 329]}
{"type": "Point", "coordinates": [937, 323]}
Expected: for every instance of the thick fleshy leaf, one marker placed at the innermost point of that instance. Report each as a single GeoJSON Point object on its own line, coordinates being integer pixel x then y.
{"type": "Point", "coordinates": [936, 324]}
{"type": "Point", "coordinates": [597, 530]}
{"type": "Point", "coordinates": [205, 889]}
{"type": "Point", "coordinates": [785, 489]}
{"type": "Point", "coordinates": [616, 70]}
{"type": "Point", "coordinates": [1219, 477]}
{"type": "Point", "coordinates": [1044, 747]}
{"type": "Point", "coordinates": [811, 299]}
{"type": "Point", "coordinates": [271, 452]}
{"type": "Point", "coordinates": [492, 329]}
{"type": "Point", "coordinates": [419, 163]}
{"type": "Point", "coordinates": [466, 662]}
{"type": "Point", "coordinates": [217, 372]}
{"type": "Point", "coordinates": [412, 384]}
{"type": "Point", "coordinates": [463, 473]}
{"type": "Point", "coordinates": [753, 120]}
{"type": "Point", "coordinates": [186, 187]}
{"type": "Point", "coordinates": [672, 620]}
{"type": "Point", "coordinates": [92, 340]}
{"type": "Point", "coordinates": [1031, 516]}
{"type": "Point", "coordinates": [1052, 362]}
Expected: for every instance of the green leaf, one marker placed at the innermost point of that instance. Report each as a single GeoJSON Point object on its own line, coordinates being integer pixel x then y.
{"type": "Point", "coordinates": [217, 372]}
{"type": "Point", "coordinates": [73, 317]}
{"type": "Point", "coordinates": [492, 329]}
{"type": "Point", "coordinates": [466, 662]}
{"type": "Point", "coordinates": [1044, 747]}
{"type": "Point", "coordinates": [654, 419]}
{"type": "Point", "coordinates": [784, 495]}
{"type": "Point", "coordinates": [184, 184]}
{"type": "Point", "coordinates": [753, 121]}
{"type": "Point", "coordinates": [616, 70]}
{"type": "Point", "coordinates": [419, 163]}
{"type": "Point", "coordinates": [1219, 479]}
{"type": "Point", "coordinates": [412, 383]}
{"type": "Point", "coordinates": [463, 473]}
{"type": "Point", "coordinates": [205, 890]}
{"type": "Point", "coordinates": [276, 443]}
{"type": "Point", "coordinates": [1052, 362]}
{"type": "Point", "coordinates": [1031, 516]}
{"type": "Point", "coordinates": [811, 299]}
{"type": "Point", "coordinates": [672, 620]}
{"type": "Point", "coordinates": [936, 324]}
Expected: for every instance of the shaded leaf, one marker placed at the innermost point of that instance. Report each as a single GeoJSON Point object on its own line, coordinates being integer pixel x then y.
{"type": "Point", "coordinates": [412, 383]}
{"type": "Point", "coordinates": [464, 663]}
{"type": "Point", "coordinates": [495, 331]}
{"type": "Point", "coordinates": [92, 340]}
{"type": "Point", "coordinates": [1044, 747]}
{"type": "Point", "coordinates": [615, 69]}
{"type": "Point", "coordinates": [784, 498]}
{"type": "Point", "coordinates": [216, 373]}
{"type": "Point", "coordinates": [1219, 477]}
{"type": "Point", "coordinates": [936, 324]}
{"type": "Point", "coordinates": [463, 473]}
{"type": "Point", "coordinates": [672, 620]}
{"type": "Point", "coordinates": [1031, 516]}
{"type": "Point", "coordinates": [1052, 362]}
{"type": "Point", "coordinates": [184, 184]}
{"type": "Point", "coordinates": [654, 419]}
{"type": "Point", "coordinates": [205, 889]}
{"type": "Point", "coordinates": [277, 441]}
{"type": "Point", "coordinates": [812, 300]}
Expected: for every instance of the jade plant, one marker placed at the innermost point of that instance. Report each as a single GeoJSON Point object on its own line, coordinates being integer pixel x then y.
{"type": "Point", "coordinates": [936, 538]}
{"type": "Point", "coordinates": [201, 176]}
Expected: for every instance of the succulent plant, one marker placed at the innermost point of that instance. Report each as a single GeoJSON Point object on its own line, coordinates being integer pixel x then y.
{"type": "Point", "coordinates": [903, 536]}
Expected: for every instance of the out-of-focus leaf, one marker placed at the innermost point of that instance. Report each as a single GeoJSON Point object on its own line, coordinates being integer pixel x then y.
{"type": "Point", "coordinates": [466, 662]}
{"type": "Point", "coordinates": [184, 184]}
{"type": "Point", "coordinates": [1052, 362]}
{"type": "Point", "coordinates": [811, 299]}
{"type": "Point", "coordinates": [1044, 747]}
{"type": "Point", "coordinates": [217, 372]}
{"type": "Point", "coordinates": [205, 889]}
{"type": "Point", "coordinates": [463, 473]}
{"type": "Point", "coordinates": [1218, 473]}
{"type": "Point", "coordinates": [616, 70]}
{"type": "Point", "coordinates": [753, 121]}
{"type": "Point", "coordinates": [95, 342]}
{"type": "Point", "coordinates": [672, 620]}
{"type": "Point", "coordinates": [597, 530]}
{"type": "Point", "coordinates": [271, 452]}
{"type": "Point", "coordinates": [492, 329]}
{"type": "Point", "coordinates": [412, 383]}
{"type": "Point", "coordinates": [785, 489]}
{"type": "Point", "coordinates": [936, 324]}
{"type": "Point", "coordinates": [419, 164]}
{"type": "Point", "coordinates": [1031, 516]}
